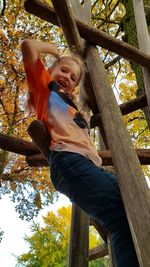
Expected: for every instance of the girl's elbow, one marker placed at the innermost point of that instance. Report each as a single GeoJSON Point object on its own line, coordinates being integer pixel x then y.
{"type": "Point", "coordinates": [25, 45]}
{"type": "Point", "coordinates": [29, 52]}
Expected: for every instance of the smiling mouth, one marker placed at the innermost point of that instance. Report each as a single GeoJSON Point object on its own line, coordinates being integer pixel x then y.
{"type": "Point", "coordinates": [62, 84]}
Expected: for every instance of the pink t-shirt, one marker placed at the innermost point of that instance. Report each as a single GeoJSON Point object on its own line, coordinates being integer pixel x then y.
{"type": "Point", "coordinates": [67, 127]}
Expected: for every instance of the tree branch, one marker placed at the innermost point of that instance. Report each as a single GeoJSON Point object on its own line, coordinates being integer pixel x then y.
{"type": "Point", "coordinates": [3, 9]}
{"type": "Point", "coordinates": [112, 62]}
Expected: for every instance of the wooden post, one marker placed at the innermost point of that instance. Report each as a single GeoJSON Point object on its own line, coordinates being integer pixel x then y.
{"type": "Point", "coordinates": [144, 44]}
{"type": "Point", "coordinates": [133, 186]}
{"type": "Point", "coordinates": [75, 42]}
{"type": "Point", "coordinates": [98, 252]}
{"type": "Point", "coordinates": [79, 238]}
{"type": "Point", "coordinates": [110, 251]}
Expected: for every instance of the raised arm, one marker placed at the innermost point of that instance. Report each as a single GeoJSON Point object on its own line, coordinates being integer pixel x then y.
{"type": "Point", "coordinates": [31, 49]}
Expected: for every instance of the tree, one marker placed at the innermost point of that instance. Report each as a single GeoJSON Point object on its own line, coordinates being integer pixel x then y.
{"type": "Point", "coordinates": [48, 245]}
{"type": "Point", "coordinates": [130, 36]}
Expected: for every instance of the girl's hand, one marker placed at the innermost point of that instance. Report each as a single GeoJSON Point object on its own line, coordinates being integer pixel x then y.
{"type": "Point", "coordinates": [31, 50]}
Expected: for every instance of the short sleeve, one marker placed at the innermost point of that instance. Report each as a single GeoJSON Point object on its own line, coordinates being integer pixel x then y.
{"type": "Point", "coordinates": [37, 77]}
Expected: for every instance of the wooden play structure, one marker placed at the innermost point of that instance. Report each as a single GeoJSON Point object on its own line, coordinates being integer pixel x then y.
{"type": "Point", "coordinates": [107, 115]}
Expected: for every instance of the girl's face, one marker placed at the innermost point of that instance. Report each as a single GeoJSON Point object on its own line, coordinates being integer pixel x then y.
{"type": "Point", "coordinates": [66, 74]}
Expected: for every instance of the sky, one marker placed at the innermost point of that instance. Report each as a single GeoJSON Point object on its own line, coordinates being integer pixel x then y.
{"type": "Point", "coordinates": [15, 229]}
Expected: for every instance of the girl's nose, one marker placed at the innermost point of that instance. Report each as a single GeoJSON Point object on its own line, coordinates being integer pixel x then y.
{"type": "Point", "coordinates": [66, 77]}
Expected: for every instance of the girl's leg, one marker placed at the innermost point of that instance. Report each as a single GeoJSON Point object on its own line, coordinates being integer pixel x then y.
{"type": "Point", "coordinates": [96, 192]}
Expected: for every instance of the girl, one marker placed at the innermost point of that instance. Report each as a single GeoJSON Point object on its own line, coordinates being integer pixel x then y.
{"type": "Point", "coordinates": [75, 165]}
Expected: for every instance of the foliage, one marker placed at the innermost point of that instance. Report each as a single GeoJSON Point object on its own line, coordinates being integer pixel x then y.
{"type": "Point", "coordinates": [29, 188]}
{"type": "Point", "coordinates": [48, 245]}
{"type": "Point", "coordinates": [104, 262]}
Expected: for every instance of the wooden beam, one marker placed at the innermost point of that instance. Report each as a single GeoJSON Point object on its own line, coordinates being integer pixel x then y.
{"type": "Point", "coordinates": [133, 187]}
{"type": "Point", "coordinates": [35, 158]}
{"type": "Point", "coordinates": [17, 145]}
{"type": "Point", "coordinates": [98, 252]}
{"type": "Point", "coordinates": [79, 238]}
{"type": "Point", "coordinates": [82, 13]}
{"type": "Point", "coordinates": [69, 26]}
{"type": "Point", "coordinates": [100, 229]}
{"type": "Point", "coordinates": [126, 108]}
{"type": "Point", "coordinates": [110, 251]}
{"type": "Point", "coordinates": [133, 105]}
{"type": "Point", "coordinates": [144, 45]}
{"type": "Point", "coordinates": [143, 155]}
{"type": "Point", "coordinates": [90, 34]}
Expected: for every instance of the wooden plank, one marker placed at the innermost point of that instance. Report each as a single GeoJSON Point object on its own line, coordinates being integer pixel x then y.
{"type": "Point", "coordinates": [87, 11]}
{"type": "Point", "coordinates": [63, 9]}
{"type": "Point", "coordinates": [133, 187]}
{"type": "Point", "coordinates": [35, 158]}
{"type": "Point", "coordinates": [100, 229]}
{"type": "Point", "coordinates": [82, 13]}
{"type": "Point", "coordinates": [110, 251]}
{"type": "Point", "coordinates": [144, 44]}
{"type": "Point", "coordinates": [78, 254]}
{"type": "Point", "coordinates": [143, 155]}
{"type": "Point", "coordinates": [92, 35]}
{"type": "Point", "coordinates": [133, 105]}
{"type": "Point", "coordinates": [126, 108]}
{"type": "Point", "coordinates": [17, 145]}
{"type": "Point", "coordinates": [98, 252]}
{"type": "Point", "coordinates": [79, 239]}
{"type": "Point", "coordinates": [78, 12]}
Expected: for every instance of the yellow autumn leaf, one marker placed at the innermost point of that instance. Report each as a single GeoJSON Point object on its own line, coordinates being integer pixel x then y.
{"type": "Point", "coordinates": [1, 82]}
{"type": "Point", "coordinates": [12, 61]}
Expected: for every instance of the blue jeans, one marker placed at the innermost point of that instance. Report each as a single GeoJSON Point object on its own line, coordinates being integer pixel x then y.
{"type": "Point", "coordinates": [97, 193]}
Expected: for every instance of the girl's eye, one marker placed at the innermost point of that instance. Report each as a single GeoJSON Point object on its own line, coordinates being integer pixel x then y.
{"type": "Point", "coordinates": [63, 70]}
{"type": "Point", "coordinates": [73, 78]}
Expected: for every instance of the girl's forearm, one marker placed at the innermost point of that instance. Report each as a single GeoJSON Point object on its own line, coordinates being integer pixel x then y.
{"type": "Point", "coordinates": [31, 49]}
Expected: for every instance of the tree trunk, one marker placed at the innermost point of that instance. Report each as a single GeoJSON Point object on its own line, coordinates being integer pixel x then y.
{"type": "Point", "coordinates": [147, 12]}
{"type": "Point", "coordinates": [129, 28]}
